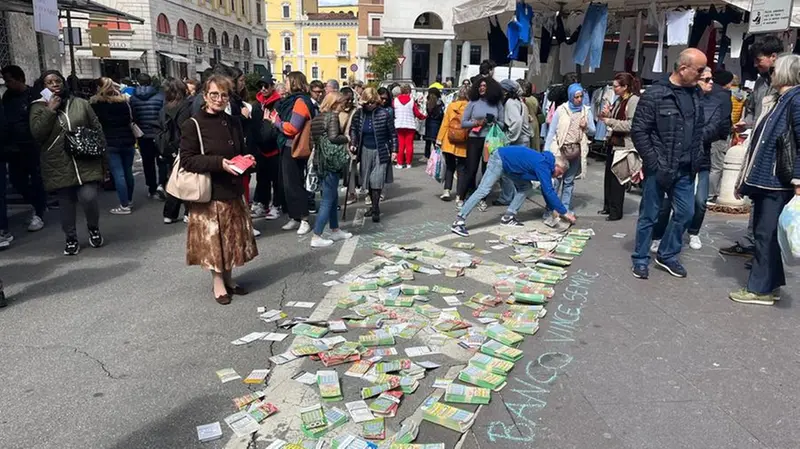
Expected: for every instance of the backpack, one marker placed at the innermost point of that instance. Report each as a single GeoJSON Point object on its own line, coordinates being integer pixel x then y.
{"type": "Point", "coordinates": [455, 133]}
{"type": "Point", "coordinates": [168, 138]}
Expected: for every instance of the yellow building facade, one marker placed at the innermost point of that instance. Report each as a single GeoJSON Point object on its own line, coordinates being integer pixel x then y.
{"type": "Point", "coordinates": [321, 44]}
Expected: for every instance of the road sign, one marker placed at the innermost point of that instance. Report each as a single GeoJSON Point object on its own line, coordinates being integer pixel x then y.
{"type": "Point", "coordinates": [354, 67]}
{"type": "Point", "coordinates": [768, 16]}
{"type": "Point", "coordinates": [401, 59]}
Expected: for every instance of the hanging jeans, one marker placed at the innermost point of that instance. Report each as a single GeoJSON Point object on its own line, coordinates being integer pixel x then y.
{"type": "Point", "coordinates": [593, 34]}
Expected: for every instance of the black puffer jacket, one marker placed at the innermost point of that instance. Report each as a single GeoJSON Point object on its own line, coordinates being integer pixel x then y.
{"type": "Point", "coordinates": [17, 106]}
{"type": "Point", "coordinates": [115, 117]}
{"type": "Point", "coordinates": [385, 133]}
{"type": "Point", "coordinates": [147, 102]}
{"type": "Point", "coordinates": [657, 132]}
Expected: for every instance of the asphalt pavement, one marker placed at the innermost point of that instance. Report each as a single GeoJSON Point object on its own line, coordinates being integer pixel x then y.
{"type": "Point", "coordinates": [118, 347]}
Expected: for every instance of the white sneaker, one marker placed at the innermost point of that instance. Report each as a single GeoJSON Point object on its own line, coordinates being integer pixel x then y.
{"type": "Point", "coordinates": [273, 214]}
{"type": "Point", "coordinates": [319, 242]}
{"type": "Point", "coordinates": [256, 232]}
{"type": "Point", "coordinates": [399, 167]}
{"type": "Point", "coordinates": [445, 196]}
{"type": "Point", "coordinates": [291, 225]}
{"type": "Point", "coordinates": [36, 224]}
{"type": "Point", "coordinates": [257, 210]}
{"type": "Point", "coordinates": [121, 210]}
{"type": "Point", "coordinates": [654, 246]}
{"type": "Point", "coordinates": [368, 200]}
{"type": "Point", "coordinates": [169, 220]}
{"type": "Point", "coordinates": [340, 235]}
{"type": "Point", "coordinates": [304, 229]}
{"type": "Point", "coordinates": [186, 218]}
{"type": "Point", "coordinates": [694, 242]}
{"type": "Point", "coordinates": [5, 239]}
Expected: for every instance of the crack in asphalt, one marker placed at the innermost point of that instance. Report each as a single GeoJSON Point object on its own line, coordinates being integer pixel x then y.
{"type": "Point", "coordinates": [75, 350]}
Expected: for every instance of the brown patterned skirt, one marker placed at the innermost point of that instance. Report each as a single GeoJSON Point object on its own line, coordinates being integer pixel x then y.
{"type": "Point", "coordinates": [220, 235]}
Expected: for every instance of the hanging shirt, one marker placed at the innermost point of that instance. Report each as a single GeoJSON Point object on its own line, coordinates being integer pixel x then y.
{"type": "Point", "coordinates": [524, 15]}
{"type": "Point", "coordinates": [498, 43]}
{"type": "Point", "coordinates": [678, 25]}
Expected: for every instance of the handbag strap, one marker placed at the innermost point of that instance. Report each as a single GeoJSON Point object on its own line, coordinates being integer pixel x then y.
{"type": "Point", "coordinates": [199, 136]}
{"type": "Point", "coordinates": [68, 129]}
{"type": "Point", "coordinates": [130, 112]}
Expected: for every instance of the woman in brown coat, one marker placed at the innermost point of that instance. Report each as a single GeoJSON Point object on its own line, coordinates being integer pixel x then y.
{"type": "Point", "coordinates": [220, 232]}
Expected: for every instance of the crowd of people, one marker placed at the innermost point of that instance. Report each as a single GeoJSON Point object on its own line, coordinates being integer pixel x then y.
{"type": "Point", "coordinates": [299, 138]}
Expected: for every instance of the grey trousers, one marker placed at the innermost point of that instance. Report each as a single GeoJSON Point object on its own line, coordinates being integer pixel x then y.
{"type": "Point", "coordinates": [68, 199]}
{"type": "Point", "coordinates": [718, 151]}
{"type": "Point", "coordinates": [749, 240]}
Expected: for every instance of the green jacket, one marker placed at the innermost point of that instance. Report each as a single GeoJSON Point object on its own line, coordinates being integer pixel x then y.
{"type": "Point", "coordinates": [59, 169]}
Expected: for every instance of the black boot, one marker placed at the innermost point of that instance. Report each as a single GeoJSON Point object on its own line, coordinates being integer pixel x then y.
{"type": "Point", "coordinates": [376, 207]}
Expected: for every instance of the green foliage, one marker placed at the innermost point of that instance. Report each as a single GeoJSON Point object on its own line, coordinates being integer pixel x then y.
{"type": "Point", "coordinates": [251, 81]}
{"type": "Point", "coordinates": [383, 62]}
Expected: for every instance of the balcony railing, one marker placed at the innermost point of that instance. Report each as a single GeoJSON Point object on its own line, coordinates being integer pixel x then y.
{"type": "Point", "coordinates": [343, 54]}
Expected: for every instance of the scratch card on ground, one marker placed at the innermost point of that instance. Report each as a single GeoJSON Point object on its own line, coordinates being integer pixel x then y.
{"type": "Point", "coordinates": [331, 272]}
{"type": "Point", "coordinates": [301, 304]}
{"type": "Point", "coordinates": [275, 336]}
{"type": "Point", "coordinates": [619, 235]}
{"type": "Point", "coordinates": [331, 283]}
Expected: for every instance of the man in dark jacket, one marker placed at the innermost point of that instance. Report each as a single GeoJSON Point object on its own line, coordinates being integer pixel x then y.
{"type": "Point", "coordinates": [667, 131]}
{"type": "Point", "coordinates": [147, 102]}
{"type": "Point", "coordinates": [21, 151]}
{"type": "Point", "coordinates": [723, 81]}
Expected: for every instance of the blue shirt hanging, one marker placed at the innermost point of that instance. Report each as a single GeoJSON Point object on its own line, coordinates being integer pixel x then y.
{"type": "Point", "coordinates": [524, 15]}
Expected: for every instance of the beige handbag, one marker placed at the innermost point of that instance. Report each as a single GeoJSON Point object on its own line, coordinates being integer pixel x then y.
{"type": "Point", "coordinates": [189, 186]}
{"type": "Point", "coordinates": [137, 132]}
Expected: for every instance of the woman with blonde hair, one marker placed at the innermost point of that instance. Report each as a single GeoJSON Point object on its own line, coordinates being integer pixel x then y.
{"type": "Point", "coordinates": [330, 157]}
{"type": "Point", "coordinates": [373, 138]}
{"type": "Point", "coordinates": [220, 232]}
{"type": "Point", "coordinates": [116, 117]}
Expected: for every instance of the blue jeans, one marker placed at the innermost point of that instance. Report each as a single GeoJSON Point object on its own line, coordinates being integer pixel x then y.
{"type": "Point", "coordinates": [593, 33]}
{"type": "Point", "coordinates": [507, 191]}
{"type": "Point", "coordinates": [567, 184]}
{"type": "Point", "coordinates": [493, 173]}
{"type": "Point", "coordinates": [700, 198]}
{"type": "Point", "coordinates": [120, 162]}
{"type": "Point", "coordinates": [680, 195]}
{"type": "Point", "coordinates": [327, 207]}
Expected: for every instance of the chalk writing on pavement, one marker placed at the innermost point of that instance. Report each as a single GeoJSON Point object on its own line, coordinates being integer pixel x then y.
{"type": "Point", "coordinates": [527, 391]}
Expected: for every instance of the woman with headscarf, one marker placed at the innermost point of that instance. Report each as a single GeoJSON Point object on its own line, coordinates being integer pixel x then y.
{"type": "Point", "coordinates": [75, 179]}
{"type": "Point", "coordinates": [618, 119]}
{"type": "Point", "coordinates": [435, 109]}
{"type": "Point", "coordinates": [567, 137]}
{"type": "Point", "coordinates": [373, 138]}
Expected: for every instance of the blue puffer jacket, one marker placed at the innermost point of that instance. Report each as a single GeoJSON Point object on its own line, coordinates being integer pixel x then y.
{"type": "Point", "coordinates": [717, 126]}
{"type": "Point", "coordinates": [657, 132]}
{"type": "Point", "coordinates": [758, 172]}
{"type": "Point", "coordinates": [147, 103]}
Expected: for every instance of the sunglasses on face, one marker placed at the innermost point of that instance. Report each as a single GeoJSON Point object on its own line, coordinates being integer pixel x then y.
{"type": "Point", "coordinates": [707, 80]}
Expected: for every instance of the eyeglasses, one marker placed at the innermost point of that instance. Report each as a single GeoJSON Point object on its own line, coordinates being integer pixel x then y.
{"type": "Point", "coordinates": [218, 96]}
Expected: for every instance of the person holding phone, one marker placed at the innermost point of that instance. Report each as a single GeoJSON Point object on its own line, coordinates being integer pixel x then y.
{"type": "Point", "coordinates": [220, 232]}
{"type": "Point", "coordinates": [75, 179]}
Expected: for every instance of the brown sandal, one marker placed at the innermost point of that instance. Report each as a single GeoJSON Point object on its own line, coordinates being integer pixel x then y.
{"type": "Point", "coordinates": [223, 300]}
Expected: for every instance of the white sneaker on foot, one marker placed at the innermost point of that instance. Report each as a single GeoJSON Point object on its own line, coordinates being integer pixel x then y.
{"type": "Point", "coordinates": [272, 214]}
{"type": "Point", "coordinates": [256, 232]}
{"type": "Point", "coordinates": [340, 235]}
{"type": "Point", "coordinates": [445, 196]}
{"type": "Point", "coordinates": [186, 218]}
{"type": "Point", "coordinates": [398, 166]}
{"type": "Point", "coordinates": [319, 242]}
{"type": "Point", "coordinates": [257, 210]}
{"type": "Point", "coordinates": [121, 210]}
{"type": "Point", "coordinates": [5, 239]}
{"type": "Point", "coordinates": [654, 246]}
{"type": "Point", "coordinates": [304, 229]}
{"type": "Point", "coordinates": [368, 200]}
{"type": "Point", "coordinates": [694, 242]}
{"type": "Point", "coordinates": [36, 224]}
{"type": "Point", "coordinates": [291, 225]}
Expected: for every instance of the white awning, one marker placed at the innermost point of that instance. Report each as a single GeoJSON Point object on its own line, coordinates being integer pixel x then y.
{"type": "Point", "coordinates": [123, 55]}
{"type": "Point", "coordinates": [480, 9]}
{"type": "Point", "coordinates": [176, 58]}
{"type": "Point", "coordinates": [227, 63]}
{"type": "Point", "coordinates": [202, 66]}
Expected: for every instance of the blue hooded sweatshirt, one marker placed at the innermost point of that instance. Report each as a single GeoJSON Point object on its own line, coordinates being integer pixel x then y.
{"type": "Point", "coordinates": [525, 164]}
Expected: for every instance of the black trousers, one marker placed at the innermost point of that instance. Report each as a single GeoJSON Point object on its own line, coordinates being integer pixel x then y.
{"type": "Point", "coordinates": [473, 162]}
{"type": "Point", "coordinates": [155, 170]}
{"type": "Point", "coordinates": [172, 207]}
{"type": "Point", "coordinates": [268, 181]}
{"type": "Point", "coordinates": [613, 191]}
{"type": "Point", "coordinates": [451, 164]}
{"type": "Point", "coordinates": [294, 177]}
{"type": "Point", "coordinates": [767, 272]}
{"type": "Point", "coordinates": [428, 144]}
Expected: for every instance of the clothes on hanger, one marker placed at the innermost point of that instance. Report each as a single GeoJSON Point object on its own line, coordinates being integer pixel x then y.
{"type": "Point", "coordinates": [566, 57]}
{"type": "Point", "coordinates": [498, 43]}
{"type": "Point", "coordinates": [546, 44]}
{"type": "Point", "coordinates": [708, 45]}
{"type": "Point", "coordinates": [678, 25]}
{"type": "Point", "coordinates": [637, 45]}
{"type": "Point", "coordinates": [659, 56]}
{"type": "Point", "coordinates": [626, 33]}
{"type": "Point", "coordinates": [749, 72]}
{"type": "Point", "coordinates": [524, 15]}
{"type": "Point", "coordinates": [702, 19]}
{"type": "Point", "coordinates": [589, 46]}
{"type": "Point", "coordinates": [736, 34]}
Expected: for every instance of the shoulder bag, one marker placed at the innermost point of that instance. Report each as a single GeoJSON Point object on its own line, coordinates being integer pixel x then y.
{"type": "Point", "coordinates": [137, 132]}
{"type": "Point", "coordinates": [82, 142]}
{"type": "Point", "coordinates": [572, 151]}
{"type": "Point", "coordinates": [786, 152]}
{"type": "Point", "coordinates": [189, 186]}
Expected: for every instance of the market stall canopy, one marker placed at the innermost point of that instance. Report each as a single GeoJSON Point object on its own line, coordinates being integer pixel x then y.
{"type": "Point", "coordinates": [473, 10]}
{"type": "Point", "coordinates": [176, 58]}
{"type": "Point", "coordinates": [87, 7]}
{"type": "Point", "coordinates": [122, 55]}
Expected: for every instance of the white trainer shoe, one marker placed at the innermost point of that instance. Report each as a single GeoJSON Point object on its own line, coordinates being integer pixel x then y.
{"type": "Point", "coordinates": [694, 242]}
{"type": "Point", "coordinates": [320, 242]}
{"type": "Point", "coordinates": [340, 235]}
{"type": "Point", "coordinates": [36, 224]}
{"type": "Point", "coordinates": [291, 225]}
{"type": "Point", "coordinates": [304, 229]}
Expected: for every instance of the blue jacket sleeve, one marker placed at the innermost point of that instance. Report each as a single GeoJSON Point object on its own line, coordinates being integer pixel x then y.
{"type": "Point", "coordinates": [548, 192]}
{"type": "Point", "coordinates": [796, 126]}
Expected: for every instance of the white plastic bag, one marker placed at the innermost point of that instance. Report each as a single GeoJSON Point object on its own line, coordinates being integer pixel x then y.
{"type": "Point", "coordinates": [789, 232]}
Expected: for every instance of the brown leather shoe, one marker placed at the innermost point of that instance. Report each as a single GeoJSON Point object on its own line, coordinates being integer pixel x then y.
{"type": "Point", "coordinates": [236, 290]}
{"type": "Point", "coordinates": [223, 300]}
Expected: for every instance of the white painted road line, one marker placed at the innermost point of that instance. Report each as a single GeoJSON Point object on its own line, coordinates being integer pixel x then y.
{"type": "Point", "coordinates": [346, 253]}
